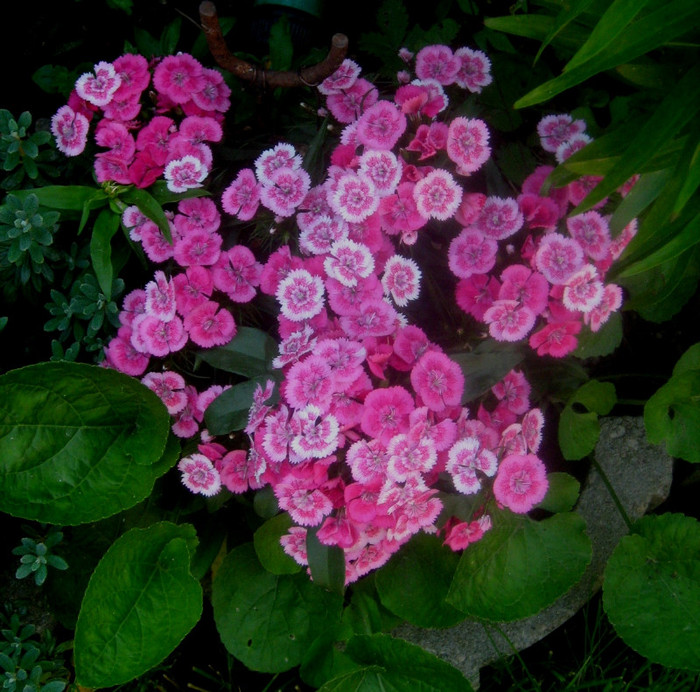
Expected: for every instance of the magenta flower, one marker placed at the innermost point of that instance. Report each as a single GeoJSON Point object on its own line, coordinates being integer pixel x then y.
{"type": "Point", "coordinates": [401, 279]}
{"type": "Point", "coordinates": [199, 475]}
{"type": "Point", "coordinates": [399, 213]}
{"type": "Point", "coordinates": [381, 125]}
{"type": "Point", "coordinates": [115, 137]}
{"type": "Point", "coordinates": [609, 303]}
{"type": "Point", "coordinates": [437, 62]}
{"type": "Point", "coordinates": [121, 355]}
{"type": "Point", "coordinates": [538, 212]}
{"type": "Point", "coordinates": [532, 425]}
{"type": "Point", "coordinates": [529, 288]}
{"type": "Point", "coordinates": [558, 258]}
{"type": "Point", "coordinates": [192, 288]}
{"type": "Point", "coordinates": [521, 482]}
{"type": "Point", "coordinates": [155, 137]}
{"type": "Point", "coordinates": [185, 173]}
{"type": "Point", "coordinates": [214, 93]}
{"type": "Point", "coordinates": [584, 290]}
{"type": "Point", "coordinates": [347, 105]}
{"type": "Point", "coordinates": [386, 413]}
{"type": "Point", "coordinates": [556, 339]}
{"type": "Point", "coordinates": [160, 297]}
{"type": "Point", "coordinates": [592, 233]}
{"type": "Point", "coordinates": [209, 325]}
{"type": "Point", "coordinates": [437, 195]}
{"type": "Point", "coordinates": [499, 218]}
{"type": "Point", "coordinates": [300, 295]}
{"type": "Point", "coordinates": [111, 168]}
{"type": "Point", "coordinates": [438, 381]}
{"type": "Point", "coordinates": [343, 78]}
{"type": "Point", "coordinates": [421, 97]}
{"type": "Point", "coordinates": [133, 74]}
{"type": "Point", "coordinates": [514, 390]}
{"type": "Point", "coordinates": [242, 197]}
{"type": "Point", "coordinates": [170, 388]}
{"type": "Point", "coordinates": [285, 191]}
{"type": "Point", "coordinates": [99, 86]}
{"type": "Point", "coordinates": [355, 197]}
{"type": "Point", "coordinates": [178, 77]}
{"type": "Point", "coordinates": [474, 70]}
{"type": "Point", "coordinates": [429, 139]}
{"type": "Point", "coordinates": [471, 252]}
{"type": "Point", "coordinates": [158, 337]}
{"type": "Point", "coordinates": [468, 144]}
{"type": "Point", "coordinates": [508, 320]}
{"type": "Point", "coordinates": [309, 381]}
{"type": "Point", "coordinates": [373, 318]}
{"type": "Point", "coordinates": [459, 534]}
{"type": "Point", "coordinates": [70, 130]}
{"type": "Point", "coordinates": [476, 294]}
{"type": "Point", "coordinates": [555, 130]}
{"type": "Point", "coordinates": [237, 274]}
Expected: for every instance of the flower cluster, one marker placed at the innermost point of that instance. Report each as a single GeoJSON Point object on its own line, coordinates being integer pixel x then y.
{"type": "Point", "coordinates": [153, 120]}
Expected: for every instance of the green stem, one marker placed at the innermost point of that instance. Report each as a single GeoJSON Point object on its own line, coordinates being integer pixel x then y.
{"type": "Point", "coordinates": [612, 492]}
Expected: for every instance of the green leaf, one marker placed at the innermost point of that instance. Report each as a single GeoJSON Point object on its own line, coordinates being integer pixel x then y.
{"type": "Point", "coordinates": [603, 342]}
{"type": "Point", "coordinates": [139, 604]}
{"type": "Point", "coordinates": [651, 590]}
{"type": "Point", "coordinates": [281, 47]}
{"type": "Point", "coordinates": [485, 366]}
{"type": "Point", "coordinates": [270, 553]}
{"type": "Point", "coordinates": [644, 192]}
{"type": "Point", "coordinates": [101, 249]}
{"type": "Point", "coordinates": [672, 413]}
{"type": "Point", "coordinates": [268, 621]}
{"type": "Point", "coordinates": [562, 493]}
{"type": "Point", "coordinates": [229, 411]}
{"type": "Point", "coordinates": [415, 582]}
{"type": "Point", "coordinates": [150, 207]}
{"type": "Point", "coordinates": [520, 566]}
{"type": "Point", "coordinates": [563, 19]}
{"type": "Point", "coordinates": [651, 31]}
{"type": "Point", "coordinates": [578, 424]}
{"type": "Point", "coordinates": [395, 665]}
{"type": "Point", "coordinates": [66, 197]}
{"type": "Point", "coordinates": [77, 442]}
{"type": "Point", "coordinates": [326, 562]}
{"type": "Point", "coordinates": [249, 353]}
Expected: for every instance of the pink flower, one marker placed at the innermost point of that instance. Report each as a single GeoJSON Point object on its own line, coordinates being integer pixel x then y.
{"type": "Point", "coordinates": [508, 320]}
{"type": "Point", "coordinates": [160, 297]}
{"type": "Point", "coordinates": [591, 232]}
{"type": "Point", "coordinates": [355, 197]}
{"type": "Point", "coordinates": [343, 78]}
{"type": "Point", "coordinates": [532, 424]}
{"type": "Point", "coordinates": [584, 290]}
{"type": "Point", "coordinates": [237, 274]}
{"type": "Point", "coordinates": [514, 389]}
{"type": "Point", "coordinates": [304, 501]}
{"type": "Point", "coordinates": [386, 413]}
{"type": "Point", "coordinates": [157, 337]}
{"type": "Point", "coordinates": [133, 74]}
{"type": "Point", "coordinates": [421, 97]}
{"type": "Point", "coordinates": [347, 105]}
{"type": "Point", "coordinates": [401, 279]}
{"type": "Point", "coordinates": [309, 381]}
{"type": "Point", "coordinates": [381, 125]}
{"type": "Point", "coordinates": [368, 461]}
{"type": "Point", "coordinates": [609, 303]}
{"type": "Point", "coordinates": [372, 318]}
{"type": "Point", "coordinates": [111, 168]}
{"type": "Point", "coordinates": [178, 77]}
{"type": "Point", "coordinates": [234, 471]}
{"type": "Point", "coordinates": [192, 288]}
{"type": "Point", "coordinates": [538, 212]}
{"type": "Point", "coordinates": [208, 325]}
{"type": "Point", "coordinates": [429, 140]}
{"type": "Point", "coordinates": [437, 62]}
{"type": "Point", "coordinates": [70, 130]}
{"type": "Point", "coordinates": [170, 388]}
{"type": "Point", "coordinates": [382, 168]}
{"type": "Point", "coordinates": [558, 258]}
{"type": "Point", "coordinates": [285, 191]}
{"type": "Point", "coordinates": [465, 458]}
{"type": "Point", "coordinates": [214, 92]}
{"type": "Point", "coordinates": [301, 295]}
{"type": "Point", "coordinates": [294, 544]}
{"type": "Point", "coordinates": [282, 155]}
{"type": "Point", "coordinates": [347, 300]}
{"type": "Point", "coordinates": [197, 248]}
{"type": "Point", "coordinates": [476, 294]}
{"type": "Point", "coordinates": [437, 195]}
{"type": "Point", "coordinates": [185, 173]}
{"type": "Point", "coordinates": [199, 475]}
{"type": "Point", "coordinates": [471, 252]}
{"type": "Point", "coordinates": [571, 146]}
{"type": "Point", "coordinates": [438, 381]}
{"type": "Point", "coordinates": [155, 244]}
{"type": "Point", "coordinates": [474, 70]}
{"type": "Point", "coordinates": [410, 456]}
{"type": "Point", "coordinates": [99, 86]}
{"type": "Point", "coordinates": [459, 534]}
{"type": "Point", "coordinates": [348, 261]}
{"type": "Point", "coordinates": [122, 356]}
{"type": "Point", "coordinates": [318, 236]}
{"type": "Point", "coordinates": [315, 433]}
{"type": "Point", "coordinates": [399, 213]}
{"type": "Point", "coordinates": [556, 339]}
{"type": "Point", "coordinates": [529, 288]}
{"type": "Point", "coordinates": [521, 482]}
{"type": "Point", "coordinates": [555, 130]}
{"type": "Point", "coordinates": [115, 137]}
{"type": "Point", "coordinates": [499, 218]}
{"type": "Point", "coordinates": [242, 197]}
{"type": "Point", "coordinates": [468, 144]}
{"type": "Point", "coordinates": [155, 137]}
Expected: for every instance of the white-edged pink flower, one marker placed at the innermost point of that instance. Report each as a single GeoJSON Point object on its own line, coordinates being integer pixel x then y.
{"type": "Point", "coordinates": [380, 126]}
{"type": "Point", "coordinates": [609, 303]}
{"type": "Point", "coordinates": [437, 62]}
{"type": "Point", "coordinates": [318, 236]}
{"type": "Point", "coordinates": [354, 198]}
{"type": "Point", "coordinates": [348, 261]}
{"type": "Point", "coordinates": [301, 295]}
{"type": "Point", "coordinates": [242, 197]}
{"type": "Point", "coordinates": [315, 433]}
{"type": "Point", "coordinates": [285, 191]}
{"type": "Point", "coordinates": [382, 168]}
{"type": "Point", "coordinates": [409, 456]}
{"type": "Point", "coordinates": [185, 173]}
{"type": "Point", "coordinates": [555, 130]}
{"type": "Point", "coordinates": [343, 78]}
{"type": "Point", "coordinates": [532, 425]}
{"type": "Point", "coordinates": [508, 320]}
{"type": "Point", "coordinates": [514, 390]}
{"type": "Point", "coordinates": [438, 381]}
{"type": "Point", "coordinates": [521, 482]}
{"type": "Point", "coordinates": [499, 218]}
{"type": "Point", "coordinates": [583, 290]}
{"type": "Point", "coordinates": [157, 337]}
{"type": "Point", "coordinates": [98, 87]}
{"type": "Point", "coordinates": [199, 475]}
{"type": "Point", "coordinates": [474, 71]}
{"type": "Point", "coordinates": [348, 104]}
{"type": "Point", "coordinates": [401, 279]}
{"type": "Point", "coordinates": [571, 146]}
{"type": "Point", "coordinates": [283, 155]}
{"type": "Point", "coordinates": [437, 195]}
{"type": "Point", "coordinates": [468, 144]}
{"type": "Point", "coordinates": [304, 501]}
{"type": "Point", "coordinates": [465, 458]}
{"type": "Point", "coordinates": [592, 233]}
{"type": "Point", "coordinates": [558, 258]}
{"type": "Point", "coordinates": [70, 130]}
{"type": "Point", "coordinates": [160, 297]}
{"type": "Point", "coordinates": [170, 388]}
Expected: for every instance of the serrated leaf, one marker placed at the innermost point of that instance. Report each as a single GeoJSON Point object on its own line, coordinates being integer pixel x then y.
{"type": "Point", "coordinates": [77, 442]}
{"type": "Point", "coordinates": [520, 566]}
{"type": "Point", "coordinates": [249, 353]}
{"type": "Point", "coordinates": [268, 621]}
{"type": "Point", "coordinates": [393, 664]}
{"type": "Point", "coordinates": [651, 590]}
{"type": "Point", "coordinates": [266, 540]}
{"type": "Point", "coordinates": [415, 582]}
{"type": "Point", "coordinates": [139, 604]}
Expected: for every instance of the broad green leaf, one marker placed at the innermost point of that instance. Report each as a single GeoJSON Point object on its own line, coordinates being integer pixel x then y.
{"type": "Point", "coordinates": [485, 366]}
{"type": "Point", "coordinates": [691, 180]}
{"type": "Point", "coordinates": [678, 108]}
{"type": "Point", "coordinates": [325, 658]}
{"type": "Point", "coordinates": [229, 411]}
{"type": "Point", "coordinates": [651, 31]}
{"type": "Point", "coordinates": [77, 442]}
{"type": "Point", "coordinates": [265, 620]}
{"type": "Point", "coordinates": [613, 22]}
{"type": "Point", "coordinates": [268, 548]}
{"type": "Point", "coordinates": [651, 590]}
{"type": "Point", "coordinates": [67, 197]}
{"type": "Point", "coordinates": [395, 665]}
{"type": "Point", "coordinates": [579, 428]}
{"type": "Point", "coordinates": [672, 413]}
{"type": "Point", "coordinates": [249, 353]}
{"type": "Point", "coordinates": [415, 582]}
{"type": "Point", "coordinates": [562, 493]}
{"type": "Point", "coordinates": [140, 603]}
{"type": "Point", "coordinates": [104, 229]}
{"type": "Point", "coordinates": [150, 207]}
{"type": "Point", "coordinates": [326, 563]}
{"type": "Point", "coordinates": [162, 195]}
{"type": "Point", "coordinates": [520, 566]}
{"type": "Point", "coordinates": [603, 342]}
{"type": "Point", "coordinates": [688, 362]}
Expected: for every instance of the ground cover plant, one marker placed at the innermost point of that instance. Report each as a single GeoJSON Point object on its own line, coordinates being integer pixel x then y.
{"type": "Point", "coordinates": [318, 365]}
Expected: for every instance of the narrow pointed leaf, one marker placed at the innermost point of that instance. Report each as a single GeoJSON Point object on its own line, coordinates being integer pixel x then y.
{"type": "Point", "coordinates": [644, 192]}
{"type": "Point", "coordinates": [103, 231]}
{"type": "Point", "coordinates": [326, 562]}
{"type": "Point", "coordinates": [150, 207]}
{"type": "Point", "coordinates": [563, 19]}
{"type": "Point", "coordinates": [249, 353]}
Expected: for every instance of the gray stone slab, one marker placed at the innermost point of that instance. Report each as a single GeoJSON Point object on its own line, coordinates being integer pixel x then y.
{"type": "Point", "coordinates": [641, 475]}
